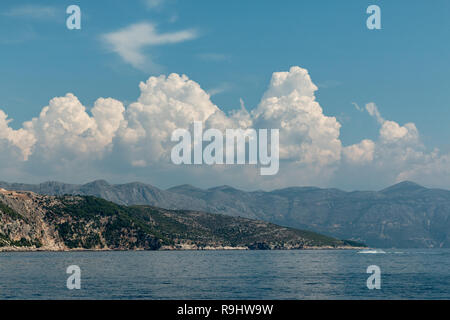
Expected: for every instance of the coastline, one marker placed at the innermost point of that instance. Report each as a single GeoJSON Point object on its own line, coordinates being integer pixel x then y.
{"type": "Point", "coordinates": [178, 248]}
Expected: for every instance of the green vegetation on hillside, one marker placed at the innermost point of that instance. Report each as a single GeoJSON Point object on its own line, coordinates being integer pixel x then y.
{"type": "Point", "coordinates": [6, 241]}
{"type": "Point", "coordinates": [10, 212]}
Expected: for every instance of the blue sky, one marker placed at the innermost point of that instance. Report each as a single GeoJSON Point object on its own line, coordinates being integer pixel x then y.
{"type": "Point", "coordinates": [235, 47]}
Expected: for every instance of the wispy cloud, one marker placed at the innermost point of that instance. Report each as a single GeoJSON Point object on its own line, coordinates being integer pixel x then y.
{"type": "Point", "coordinates": [32, 11]}
{"type": "Point", "coordinates": [357, 107]}
{"type": "Point", "coordinates": [223, 87]}
{"type": "Point", "coordinates": [329, 84]}
{"type": "Point", "coordinates": [154, 4]}
{"type": "Point", "coordinates": [130, 41]}
{"type": "Point", "coordinates": [173, 18]}
{"type": "Point", "coordinates": [372, 109]}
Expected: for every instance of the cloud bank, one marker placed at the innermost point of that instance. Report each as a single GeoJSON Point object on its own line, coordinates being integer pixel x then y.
{"type": "Point", "coordinates": [70, 142]}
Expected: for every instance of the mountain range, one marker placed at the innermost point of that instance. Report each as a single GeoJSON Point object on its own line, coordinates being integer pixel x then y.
{"type": "Point", "coordinates": [405, 215]}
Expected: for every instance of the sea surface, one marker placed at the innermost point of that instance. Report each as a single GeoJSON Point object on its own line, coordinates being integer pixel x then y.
{"type": "Point", "coordinates": [314, 274]}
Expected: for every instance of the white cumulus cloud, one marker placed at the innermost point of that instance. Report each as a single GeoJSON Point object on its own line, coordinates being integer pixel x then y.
{"type": "Point", "coordinates": [398, 154]}
{"type": "Point", "coordinates": [165, 104]}
{"type": "Point", "coordinates": [360, 153]}
{"type": "Point", "coordinates": [20, 140]}
{"type": "Point", "coordinates": [307, 136]}
{"type": "Point", "coordinates": [65, 130]}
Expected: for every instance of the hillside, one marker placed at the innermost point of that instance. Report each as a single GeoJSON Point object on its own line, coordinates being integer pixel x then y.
{"type": "Point", "coordinates": [404, 215]}
{"type": "Point", "coordinates": [29, 221]}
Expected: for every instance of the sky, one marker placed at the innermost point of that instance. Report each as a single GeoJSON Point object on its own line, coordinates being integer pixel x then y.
{"type": "Point", "coordinates": [370, 107]}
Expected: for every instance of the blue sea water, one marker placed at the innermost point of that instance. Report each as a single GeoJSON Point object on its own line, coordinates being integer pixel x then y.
{"type": "Point", "coordinates": [321, 274]}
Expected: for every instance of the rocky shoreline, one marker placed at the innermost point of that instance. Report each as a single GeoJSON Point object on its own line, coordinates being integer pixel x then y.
{"type": "Point", "coordinates": [172, 248]}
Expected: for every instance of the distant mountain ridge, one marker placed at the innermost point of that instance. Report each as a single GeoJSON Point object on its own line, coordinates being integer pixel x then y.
{"type": "Point", "coordinates": [403, 215]}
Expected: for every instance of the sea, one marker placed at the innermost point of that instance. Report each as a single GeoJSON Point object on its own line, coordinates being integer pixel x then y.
{"type": "Point", "coordinates": [228, 274]}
